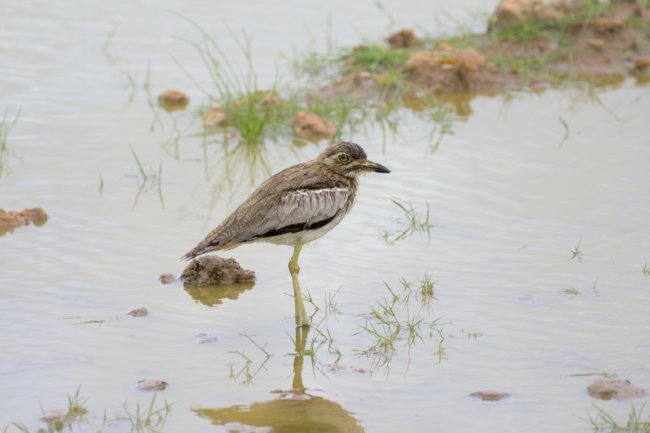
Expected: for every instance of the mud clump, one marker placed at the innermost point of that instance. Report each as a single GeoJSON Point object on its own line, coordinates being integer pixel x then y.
{"type": "Point", "coordinates": [490, 395]}
{"type": "Point", "coordinates": [212, 270]}
{"type": "Point", "coordinates": [618, 389]}
{"type": "Point", "coordinates": [173, 100]}
{"type": "Point", "coordinates": [402, 39]}
{"type": "Point", "coordinates": [310, 126]}
{"type": "Point", "coordinates": [9, 220]}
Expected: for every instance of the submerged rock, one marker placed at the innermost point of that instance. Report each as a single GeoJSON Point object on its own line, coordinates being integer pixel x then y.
{"type": "Point", "coordinates": [489, 395]}
{"type": "Point", "coordinates": [152, 385]}
{"type": "Point", "coordinates": [402, 39]}
{"type": "Point", "coordinates": [139, 312]}
{"type": "Point", "coordinates": [213, 270]}
{"type": "Point", "coordinates": [9, 220]}
{"type": "Point", "coordinates": [310, 126]}
{"type": "Point", "coordinates": [173, 100]}
{"type": "Point", "coordinates": [618, 389]}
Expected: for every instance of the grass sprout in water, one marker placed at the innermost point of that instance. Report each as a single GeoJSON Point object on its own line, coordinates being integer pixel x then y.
{"type": "Point", "coordinates": [414, 222]}
{"type": "Point", "coordinates": [150, 418]}
{"type": "Point", "coordinates": [246, 368]}
{"type": "Point", "coordinates": [601, 421]}
{"type": "Point", "coordinates": [7, 123]}
{"type": "Point", "coordinates": [401, 320]}
{"type": "Point", "coordinates": [147, 179]}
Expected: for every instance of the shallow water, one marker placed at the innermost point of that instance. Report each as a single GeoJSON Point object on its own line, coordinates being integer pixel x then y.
{"type": "Point", "coordinates": [509, 201]}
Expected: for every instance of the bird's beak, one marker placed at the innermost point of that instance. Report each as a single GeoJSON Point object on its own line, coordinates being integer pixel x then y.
{"type": "Point", "coordinates": [373, 166]}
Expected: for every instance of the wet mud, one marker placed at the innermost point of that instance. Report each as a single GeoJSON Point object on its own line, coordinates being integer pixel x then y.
{"type": "Point", "coordinates": [9, 220]}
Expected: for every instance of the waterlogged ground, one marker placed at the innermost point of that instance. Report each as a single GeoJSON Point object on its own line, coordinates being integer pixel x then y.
{"type": "Point", "coordinates": [535, 244]}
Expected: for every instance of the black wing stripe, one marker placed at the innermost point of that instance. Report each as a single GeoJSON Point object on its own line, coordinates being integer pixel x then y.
{"type": "Point", "coordinates": [294, 228]}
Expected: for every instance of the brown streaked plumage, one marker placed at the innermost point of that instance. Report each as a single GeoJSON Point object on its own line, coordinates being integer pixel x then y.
{"type": "Point", "coordinates": [295, 206]}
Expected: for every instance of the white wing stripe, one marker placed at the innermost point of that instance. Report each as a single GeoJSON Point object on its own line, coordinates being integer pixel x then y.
{"type": "Point", "coordinates": [313, 192]}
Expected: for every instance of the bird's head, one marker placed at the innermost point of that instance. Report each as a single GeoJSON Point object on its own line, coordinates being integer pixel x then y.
{"type": "Point", "coordinates": [349, 159]}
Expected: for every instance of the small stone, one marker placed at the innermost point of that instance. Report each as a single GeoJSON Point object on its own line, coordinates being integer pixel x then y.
{"type": "Point", "coordinates": [310, 126]}
{"type": "Point", "coordinates": [214, 118]}
{"type": "Point", "coordinates": [402, 39]}
{"type": "Point", "coordinates": [173, 100]}
{"type": "Point", "coordinates": [489, 395]}
{"type": "Point", "coordinates": [139, 312]}
{"type": "Point", "coordinates": [167, 278]}
{"type": "Point", "coordinates": [203, 338]}
{"type": "Point", "coordinates": [619, 389]}
{"type": "Point", "coordinates": [152, 385]}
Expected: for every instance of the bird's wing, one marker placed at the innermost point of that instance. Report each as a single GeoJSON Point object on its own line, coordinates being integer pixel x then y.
{"type": "Point", "coordinates": [296, 210]}
{"type": "Point", "coordinates": [273, 210]}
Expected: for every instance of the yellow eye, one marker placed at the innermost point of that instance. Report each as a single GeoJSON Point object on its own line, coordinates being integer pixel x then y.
{"type": "Point", "coordinates": [344, 158]}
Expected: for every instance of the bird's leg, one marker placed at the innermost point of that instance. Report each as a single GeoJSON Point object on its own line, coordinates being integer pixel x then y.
{"type": "Point", "coordinates": [294, 269]}
{"type": "Point", "coordinates": [298, 359]}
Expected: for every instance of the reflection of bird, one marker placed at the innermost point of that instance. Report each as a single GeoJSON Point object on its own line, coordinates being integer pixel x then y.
{"type": "Point", "coordinates": [294, 411]}
{"type": "Point", "coordinates": [295, 206]}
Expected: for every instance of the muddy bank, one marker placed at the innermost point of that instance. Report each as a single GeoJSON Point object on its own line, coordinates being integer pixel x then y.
{"type": "Point", "coordinates": [9, 220]}
{"type": "Point", "coordinates": [527, 44]}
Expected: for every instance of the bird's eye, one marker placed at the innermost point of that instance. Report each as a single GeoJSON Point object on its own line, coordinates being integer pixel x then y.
{"type": "Point", "coordinates": [344, 158]}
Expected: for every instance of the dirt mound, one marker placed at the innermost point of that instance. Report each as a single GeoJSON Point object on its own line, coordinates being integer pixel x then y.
{"type": "Point", "coordinates": [618, 389]}
{"type": "Point", "coordinates": [9, 220]}
{"type": "Point", "coordinates": [402, 39]}
{"type": "Point", "coordinates": [446, 70]}
{"type": "Point", "coordinates": [212, 270]}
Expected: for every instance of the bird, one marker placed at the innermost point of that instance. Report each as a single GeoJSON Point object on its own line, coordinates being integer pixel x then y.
{"type": "Point", "coordinates": [295, 206]}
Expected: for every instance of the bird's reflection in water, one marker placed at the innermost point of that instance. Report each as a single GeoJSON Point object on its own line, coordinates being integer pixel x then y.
{"type": "Point", "coordinates": [293, 411]}
{"type": "Point", "coordinates": [214, 295]}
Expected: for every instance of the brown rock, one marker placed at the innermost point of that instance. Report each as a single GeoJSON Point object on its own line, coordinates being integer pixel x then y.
{"type": "Point", "coordinates": [618, 389]}
{"type": "Point", "coordinates": [152, 385]}
{"type": "Point", "coordinates": [212, 270]}
{"type": "Point", "coordinates": [173, 100]}
{"type": "Point", "coordinates": [402, 39]}
{"type": "Point", "coordinates": [167, 278]}
{"type": "Point", "coordinates": [310, 126]}
{"type": "Point", "coordinates": [214, 118]}
{"type": "Point", "coordinates": [139, 312]}
{"type": "Point", "coordinates": [490, 395]}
